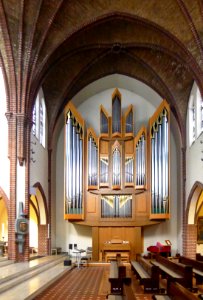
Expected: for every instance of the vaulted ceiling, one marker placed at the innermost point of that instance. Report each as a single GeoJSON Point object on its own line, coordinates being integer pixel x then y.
{"type": "Point", "coordinates": [64, 45]}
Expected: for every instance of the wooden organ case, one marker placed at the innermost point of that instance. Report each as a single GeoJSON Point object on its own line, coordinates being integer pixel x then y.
{"type": "Point", "coordinates": [117, 182]}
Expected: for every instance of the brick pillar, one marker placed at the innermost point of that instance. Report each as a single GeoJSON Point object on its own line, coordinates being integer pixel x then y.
{"type": "Point", "coordinates": [12, 247]}
{"type": "Point", "coordinates": [190, 241]}
{"type": "Point", "coordinates": [42, 239]}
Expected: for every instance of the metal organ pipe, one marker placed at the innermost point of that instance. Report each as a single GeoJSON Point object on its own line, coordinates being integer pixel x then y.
{"type": "Point", "coordinates": [69, 138]}
{"type": "Point", "coordinates": [74, 165]}
{"type": "Point", "coordinates": [143, 159]}
{"type": "Point", "coordinates": [152, 170]}
{"type": "Point", "coordinates": [77, 166]}
{"type": "Point", "coordinates": [90, 160]}
{"type": "Point", "coordinates": [81, 171]}
{"type": "Point", "coordinates": [116, 167]}
{"type": "Point", "coordinates": [156, 173]}
{"type": "Point", "coordinates": [159, 164]}
{"type": "Point", "coordinates": [140, 161]}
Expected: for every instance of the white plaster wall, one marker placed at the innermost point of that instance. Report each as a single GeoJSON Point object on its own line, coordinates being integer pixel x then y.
{"type": "Point", "coordinates": [68, 233]}
{"type": "Point", "coordinates": [194, 164]}
{"type": "Point", "coordinates": [4, 161]}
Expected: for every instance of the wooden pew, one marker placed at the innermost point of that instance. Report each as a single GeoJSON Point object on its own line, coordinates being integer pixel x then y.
{"type": "Point", "coordinates": [176, 292]}
{"type": "Point", "coordinates": [147, 274]}
{"type": "Point", "coordinates": [174, 271]}
{"type": "Point", "coordinates": [117, 278]}
{"type": "Point", "coordinates": [197, 267]}
{"type": "Point", "coordinates": [199, 257]}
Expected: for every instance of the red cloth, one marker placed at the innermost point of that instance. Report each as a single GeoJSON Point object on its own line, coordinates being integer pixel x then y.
{"type": "Point", "coordinates": [159, 248]}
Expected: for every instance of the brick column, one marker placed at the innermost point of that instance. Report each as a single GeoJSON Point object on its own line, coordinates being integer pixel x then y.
{"type": "Point", "coordinates": [190, 241]}
{"type": "Point", "coordinates": [42, 239]}
{"type": "Point", "coordinates": [12, 247]}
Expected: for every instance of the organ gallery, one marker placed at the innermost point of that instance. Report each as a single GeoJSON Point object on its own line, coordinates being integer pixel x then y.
{"type": "Point", "coordinates": [117, 180]}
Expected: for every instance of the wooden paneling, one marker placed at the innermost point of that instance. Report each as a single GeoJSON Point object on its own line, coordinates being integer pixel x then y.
{"type": "Point", "coordinates": [141, 207]}
{"type": "Point", "coordinates": [104, 147]}
{"type": "Point", "coordinates": [131, 234]}
{"type": "Point", "coordinates": [91, 203]}
{"type": "Point", "coordinates": [95, 243]}
{"type": "Point", "coordinates": [129, 147]}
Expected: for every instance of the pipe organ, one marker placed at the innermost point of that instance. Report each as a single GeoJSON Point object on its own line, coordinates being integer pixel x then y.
{"type": "Point", "coordinates": [112, 173]}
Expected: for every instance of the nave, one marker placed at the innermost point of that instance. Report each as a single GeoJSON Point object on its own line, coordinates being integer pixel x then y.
{"type": "Point", "coordinates": [47, 278]}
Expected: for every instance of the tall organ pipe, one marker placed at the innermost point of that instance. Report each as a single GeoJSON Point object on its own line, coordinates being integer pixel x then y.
{"type": "Point", "coordinates": [156, 174]}
{"type": "Point", "coordinates": [77, 166]}
{"type": "Point", "coordinates": [74, 165]}
{"type": "Point", "coordinates": [160, 165]}
{"type": "Point", "coordinates": [81, 170]}
{"type": "Point", "coordinates": [69, 139]}
{"type": "Point", "coordinates": [152, 169]}
{"type": "Point", "coordinates": [90, 160]}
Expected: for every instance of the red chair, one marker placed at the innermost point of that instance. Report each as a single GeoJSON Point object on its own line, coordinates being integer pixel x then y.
{"type": "Point", "coordinates": [164, 250]}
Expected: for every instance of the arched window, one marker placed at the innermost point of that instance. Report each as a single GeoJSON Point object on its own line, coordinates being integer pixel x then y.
{"type": "Point", "coordinates": [199, 112]}
{"type": "Point", "coordinates": [195, 115]}
{"type": "Point", "coordinates": [191, 120]}
{"type": "Point", "coordinates": [39, 118]}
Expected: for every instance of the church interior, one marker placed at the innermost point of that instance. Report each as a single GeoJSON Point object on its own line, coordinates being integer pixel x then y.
{"type": "Point", "coordinates": [102, 161]}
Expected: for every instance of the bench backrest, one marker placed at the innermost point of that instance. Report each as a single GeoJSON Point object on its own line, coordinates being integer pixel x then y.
{"type": "Point", "coordinates": [199, 257]}
{"type": "Point", "coordinates": [153, 271]}
{"type": "Point", "coordinates": [113, 269]}
{"type": "Point", "coordinates": [192, 262]}
{"type": "Point", "coordinates": [184, 270]}
{"type": "Point", "coordinates": [178, 292]}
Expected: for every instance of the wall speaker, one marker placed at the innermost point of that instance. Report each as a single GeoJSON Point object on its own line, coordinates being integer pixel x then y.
{"type": "Point", "coordinates": [70, 246]}
{"type": "Point", "coordinates": [75, 246]}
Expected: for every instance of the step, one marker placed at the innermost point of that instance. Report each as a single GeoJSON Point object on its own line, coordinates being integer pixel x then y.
{"type": "Point", "coordinates": [29, 288]}
{"type": "Point", "coordinates": [9, 281]}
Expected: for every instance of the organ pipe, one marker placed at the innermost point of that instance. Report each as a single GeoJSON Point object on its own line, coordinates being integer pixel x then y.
{"type": "Point", "coordinates": [159, 164]}
{"type": "Point", "coordinates": [116, 115]}
{"type": "Point", "coordinates": [116, 166]}
{"type": "Point", "coordinates": [92, 162]}
{"type": "Point", "coordinates": [140, 161]}
{"type": "Point", "coordinates": [74, 166]}
{"type": "Point", "coordinates": [116, 206]}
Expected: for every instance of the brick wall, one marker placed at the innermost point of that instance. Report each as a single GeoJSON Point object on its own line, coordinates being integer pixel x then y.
{"type": "Point", "coordinates": [42, 239]}
{"type": "Point", "coordinates": [190, 241]}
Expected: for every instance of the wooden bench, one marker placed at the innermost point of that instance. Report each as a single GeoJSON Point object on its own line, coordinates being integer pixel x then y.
{"type": "Point", "coordinates": [117, 278]}
{"type": "Point", "coordinates": [147, 274]}
{"type": "Point", "coordinates": [174, 271]}
{"type": "Point", "coordinates": [197, 267]}
{"type": "Point", "coordinates": [56, 250]}
{"type": "Point", "coordinates": [199, 257]}
{"type": "Point", "coordinates": [176, 292]}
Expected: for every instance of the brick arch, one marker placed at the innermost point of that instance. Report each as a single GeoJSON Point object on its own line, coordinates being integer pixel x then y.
{"type": "Point", "coordinates": [42, 204]}
{"type": "Point", "coordinates": [192, 202]}
{"type": "Point", "coordinates": [4, 198]}
{"type": "Point", "coordinates": [190, 231]}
